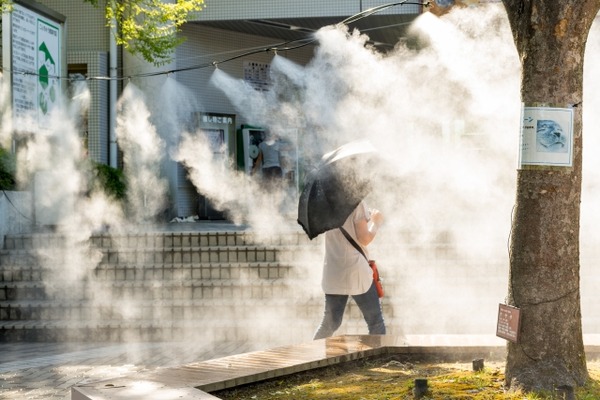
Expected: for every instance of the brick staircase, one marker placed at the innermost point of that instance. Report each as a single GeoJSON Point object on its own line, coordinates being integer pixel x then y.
{"type": "Point", "coordinates": [230, 286]}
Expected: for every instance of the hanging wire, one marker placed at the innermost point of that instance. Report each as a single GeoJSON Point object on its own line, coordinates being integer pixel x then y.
{"type": "Point", "coordinates": [376, 9]}
{"type": "Point", "coordinates": [283, 46]}
{"type": "Point", "coordinates": [14, 206]}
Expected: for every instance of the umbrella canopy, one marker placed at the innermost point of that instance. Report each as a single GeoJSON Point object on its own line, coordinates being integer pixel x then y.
{"type": "Point", "coordinates": [334, 189]}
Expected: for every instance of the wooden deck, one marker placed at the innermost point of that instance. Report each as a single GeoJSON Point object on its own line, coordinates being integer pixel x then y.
{"type": "Point", "coordinates": [195, 381]}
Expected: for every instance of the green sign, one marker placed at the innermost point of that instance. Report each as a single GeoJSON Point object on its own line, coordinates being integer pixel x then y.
{"type": "Point", "coordinates": [36, 65]}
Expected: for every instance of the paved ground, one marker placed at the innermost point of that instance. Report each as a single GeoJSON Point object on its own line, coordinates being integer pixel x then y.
{"type": "Point", "coordinates": [48, 370]}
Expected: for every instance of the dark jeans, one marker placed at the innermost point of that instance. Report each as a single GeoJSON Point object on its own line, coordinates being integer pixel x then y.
{"type": "Point", "coordinates": [271, 173]}
{"type": "Point", "coordinates": [335, 304]}
{"type": "Point", "coordinates": [272, 178]}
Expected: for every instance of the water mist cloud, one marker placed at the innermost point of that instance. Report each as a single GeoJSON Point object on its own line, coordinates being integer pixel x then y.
{"type": "Point", "coordinates": [242, 198]}
{"type": "Point", "coordinates": [444, 114]}
{"type": "Point", "coordinates": [591, 142]}
{"type": "Point", "coordinates": [143, 156]}
{"type": "Point", "coordinates": [443, 110]}
{"type": "Point", "coordinates": [172, 112]}
{"type": "Point", "coordinates": [52, 162]}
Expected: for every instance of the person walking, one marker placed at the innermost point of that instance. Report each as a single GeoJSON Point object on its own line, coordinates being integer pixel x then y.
{"type": "Point", "coordinates": [346, 272]}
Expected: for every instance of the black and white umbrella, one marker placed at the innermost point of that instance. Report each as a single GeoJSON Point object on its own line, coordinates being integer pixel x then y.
{"type": "Point", "coordinates": [336, 187]}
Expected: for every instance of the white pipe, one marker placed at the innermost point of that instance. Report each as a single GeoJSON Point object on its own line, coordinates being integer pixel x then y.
{"type": "Point", "coordinates": [112, 103]}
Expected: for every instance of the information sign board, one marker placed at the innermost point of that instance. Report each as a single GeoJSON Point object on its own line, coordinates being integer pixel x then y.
{"type": "Point", "coordinates": [547, 137]}
{"type": "Point", "coordinates": [509, 322]}
{"type": "Point", "coordinates": [35, 41]}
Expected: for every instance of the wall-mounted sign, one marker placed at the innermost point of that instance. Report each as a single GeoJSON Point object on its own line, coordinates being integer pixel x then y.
{"type": "Point", "coordinates": [256, 74]}
{"type": "Point", "coordinates": [509, 322]}
{"type": "Point", "coordinates": [35, 39]}
{"type": "Point", "coordinates": [546, 137]}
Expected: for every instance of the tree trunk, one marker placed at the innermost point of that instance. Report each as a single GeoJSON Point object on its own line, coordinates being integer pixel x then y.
{"type": "Point", "coordinates": [550, 37]}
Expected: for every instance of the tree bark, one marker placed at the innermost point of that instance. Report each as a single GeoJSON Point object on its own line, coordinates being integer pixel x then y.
{"type": "Point", "coordinates": [550, 36]}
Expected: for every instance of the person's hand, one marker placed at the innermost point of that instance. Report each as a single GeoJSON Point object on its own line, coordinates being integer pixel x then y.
{"type": "Point", "coordinates": [376, 217]}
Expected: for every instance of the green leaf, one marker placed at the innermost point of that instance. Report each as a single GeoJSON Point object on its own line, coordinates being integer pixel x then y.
{"type": "Point", "coordinates": [150, 27]}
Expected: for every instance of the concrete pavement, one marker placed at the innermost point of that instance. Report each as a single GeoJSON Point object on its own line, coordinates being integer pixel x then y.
{"type": "Point", "coordinates": [46, 371]}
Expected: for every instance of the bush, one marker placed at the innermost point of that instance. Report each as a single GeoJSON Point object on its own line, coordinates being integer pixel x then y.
{"type": "Point", "coordinates": [109, 179]}
{"type": "Point", "coordinates": [7, 170]}
{"type": "Point", "coordinates": [112, 180]}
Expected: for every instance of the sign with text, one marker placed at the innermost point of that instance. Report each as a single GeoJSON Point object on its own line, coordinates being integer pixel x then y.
{"type": "Point", "coordinates": [509, 322]}
{"type": "Point", "coordinates": [257, 75]}
{"type": "Point", "coordinates": [547, 136]}
{"type": "Point", "coordinates": [36, 62]}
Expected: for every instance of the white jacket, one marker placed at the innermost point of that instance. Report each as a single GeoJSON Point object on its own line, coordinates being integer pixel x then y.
{"type": "Point", "coordinates": [345, 270]}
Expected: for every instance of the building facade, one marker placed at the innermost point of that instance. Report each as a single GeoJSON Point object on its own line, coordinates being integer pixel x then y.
{"type": "Point", "coordinates": [224, 31]}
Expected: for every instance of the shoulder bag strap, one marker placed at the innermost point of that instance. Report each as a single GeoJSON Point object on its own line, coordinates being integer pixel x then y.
{"type": "Point", "coordinates": [353, 242]}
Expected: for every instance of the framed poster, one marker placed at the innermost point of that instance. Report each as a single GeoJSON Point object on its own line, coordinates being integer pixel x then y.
{"type": "Point", "coordinates": [546, 137]}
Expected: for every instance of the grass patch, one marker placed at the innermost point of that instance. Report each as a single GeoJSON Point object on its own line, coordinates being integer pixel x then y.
{"type": "Point", "coordinates": [394, 378]}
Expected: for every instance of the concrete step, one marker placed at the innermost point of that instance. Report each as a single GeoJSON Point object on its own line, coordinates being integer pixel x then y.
{"type": "Point", "coordinates": [255, 328]}
{"type": "Point", "coordinates": [22, 290]}
{"type": "Point", "coordinates": [214, 287]}
{"type": "Point", "coordinates": [245, 287]}
{"type": "Point", "coordinates": [168, 309]}
{"type": "Point", "coordinates": [254, 253]}
{"type": "Point", "coordinates": [192, 271]}
{"type": "Point", "coordinates": [156, 240]}
{"type": "Point", "coordinates": [151, 330]}
{"type": "Point", "coordinates": [153, 271]}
